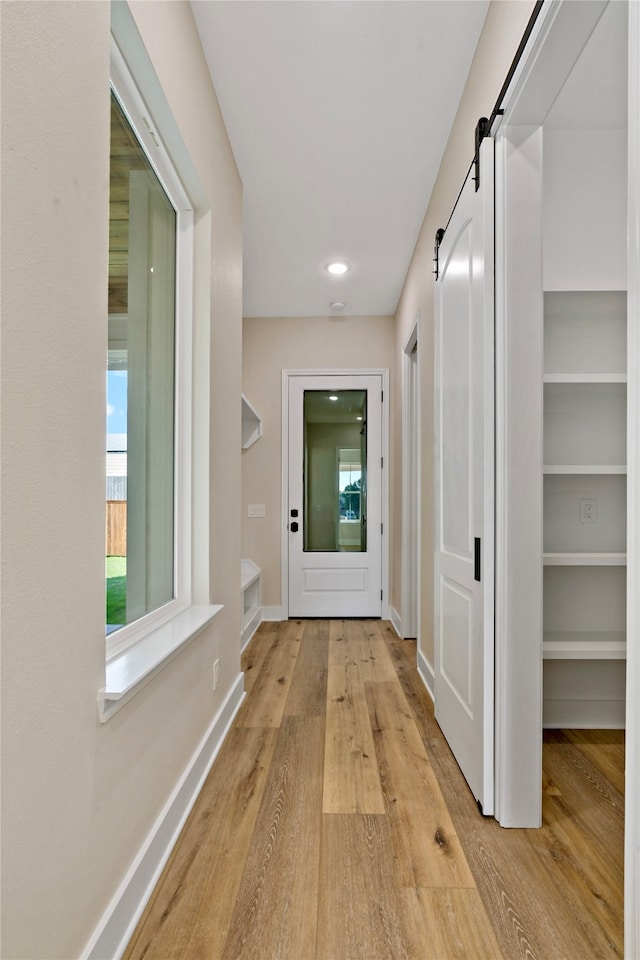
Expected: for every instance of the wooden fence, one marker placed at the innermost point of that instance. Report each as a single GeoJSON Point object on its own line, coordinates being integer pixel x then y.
{"type": "Point", "coordinates": [116, 528]}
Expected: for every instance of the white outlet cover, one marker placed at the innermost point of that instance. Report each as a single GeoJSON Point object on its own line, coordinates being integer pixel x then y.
{"type": "Point", "coordinates": [588, 511]}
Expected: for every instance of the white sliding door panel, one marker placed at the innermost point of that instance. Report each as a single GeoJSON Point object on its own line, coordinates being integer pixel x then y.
{"type": "Point", "coordinates": [464, 654]}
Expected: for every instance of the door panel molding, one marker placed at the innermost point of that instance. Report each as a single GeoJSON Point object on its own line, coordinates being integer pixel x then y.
{"type": "Point", "coordinates": [410, 591]}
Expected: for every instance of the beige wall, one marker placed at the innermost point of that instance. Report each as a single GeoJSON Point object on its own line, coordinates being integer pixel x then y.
{"type": "Point", "coordinates": [503, 29]}
{"type": "Point", "coordinates": [78, 797]}
{"type": "Point", "coordinates": [271, 345]}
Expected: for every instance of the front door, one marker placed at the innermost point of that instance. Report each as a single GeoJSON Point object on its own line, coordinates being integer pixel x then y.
{"type": "Point", "coordinates": [335, 495]}
{"type": "Point", "coordinates": [464, 600]}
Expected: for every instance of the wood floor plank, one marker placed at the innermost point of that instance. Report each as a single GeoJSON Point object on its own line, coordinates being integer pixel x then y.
{"type": "Point", "coordinates": [256, 651]}
{"type": "Point", "coordinates": [359, 641]}
{"type": "Point", "coordinates": [265, 706]}
{"type": "Point", "coordinates": [602, 815]}
{"type": "Point", "coordinates": [449, 924]}
{"type": "Point", "coordinates": [188, 915]}
{"type": "Point", "coordinates": [605, 750]}
{"type": "Point", "coordinates": [360, 907]}
{"type": "Point", "coordinates": [308, 690]}
{"type": "Point", "coordinates": [351, 778]}
{"type": "Point", "coordinates": [585, 874]}
{"type": "Point", "coordinates": [275, 914]}
{"type": "Point", "coordinates": [428, 851]}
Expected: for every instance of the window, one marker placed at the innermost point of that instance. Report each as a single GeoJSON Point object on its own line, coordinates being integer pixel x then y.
{"type": "Point", "coordinates": [140, 382]}
{"type": "Point", "coordinates": [148, 353]}
{"type": "Point", "coordinates": [349, 484]}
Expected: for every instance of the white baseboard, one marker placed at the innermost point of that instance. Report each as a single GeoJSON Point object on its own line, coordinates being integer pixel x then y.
{"type": "Point", "coordinates": [251, 627]}
{"type": "Point", "coordinates": [116, 927]}
{"type": "Point", "coordinates": [584, 714]}
{"type": "Point", "coordinates": [426, 673]}
{"type": "Point", "coordinates": [273, 613]}
{"type": "Point", "coordinates": [396, 621]}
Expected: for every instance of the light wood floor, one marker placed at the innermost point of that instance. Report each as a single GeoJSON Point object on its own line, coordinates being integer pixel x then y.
{"type": "Point", "coordinates": [335, 824]}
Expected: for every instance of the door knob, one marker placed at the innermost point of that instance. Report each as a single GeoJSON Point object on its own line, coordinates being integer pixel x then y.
{"type": "Point", "coordinates": [294, 526]}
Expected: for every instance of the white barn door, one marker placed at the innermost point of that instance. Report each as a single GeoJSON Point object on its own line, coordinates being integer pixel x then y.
{"type": "Point", "coordinates": [464, 559]}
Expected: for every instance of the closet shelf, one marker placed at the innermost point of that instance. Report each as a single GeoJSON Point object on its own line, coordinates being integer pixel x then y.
{"type": "Point", "coordinates": [585, 378]}
{"type": "Point", "coordinates": [584, 645]}
{"type": "Point", "coordinates": [584, 559]}
{"type": "Point", "coordinates": [577, 468]}
{"type": "Point", "coordinates": [251, 424]}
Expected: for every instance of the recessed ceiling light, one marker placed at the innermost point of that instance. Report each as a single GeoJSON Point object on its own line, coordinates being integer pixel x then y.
{"type": "Point", "coordinates": [337, 267]}
{"type": "Point", "coordinates": [338, 306]}
{"type": "Point", "coordinates": [358, 418]}
{"type": "Point", "coordinates": [333, 397]}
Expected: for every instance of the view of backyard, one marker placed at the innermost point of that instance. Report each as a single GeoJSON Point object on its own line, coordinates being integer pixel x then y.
{"type": "Point", "coordinates": [116, 591]}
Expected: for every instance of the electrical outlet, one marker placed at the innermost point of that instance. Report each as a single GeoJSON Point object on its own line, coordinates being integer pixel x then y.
{"type": "Point", "coordinates": [588, 511]}
{"type": "Point", "coordinates": [216, 673]}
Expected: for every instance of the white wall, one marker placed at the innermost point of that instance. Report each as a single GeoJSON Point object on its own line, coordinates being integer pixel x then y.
{"type": "Point", "coordinates": [271, 345]}
{"type": "Point", "coordinates": [585, 198]}
{"type": "Point", "coordinates": [80, 797]}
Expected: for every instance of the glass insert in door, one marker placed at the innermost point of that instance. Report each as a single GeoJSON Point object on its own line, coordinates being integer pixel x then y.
{"type": "Point", "coordinates": [335, 471]}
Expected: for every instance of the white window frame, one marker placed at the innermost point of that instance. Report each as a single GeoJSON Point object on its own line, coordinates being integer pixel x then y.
{"type": "Point", "coordinates": [139, 118]}
{"type": "Point", "coordinates": [137, 651]}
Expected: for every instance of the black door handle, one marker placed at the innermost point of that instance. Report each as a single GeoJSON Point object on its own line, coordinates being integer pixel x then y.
{"type": "Point", "coordinates": [294, 526]}
{"type": "Point", "coordinates": [476, 559]}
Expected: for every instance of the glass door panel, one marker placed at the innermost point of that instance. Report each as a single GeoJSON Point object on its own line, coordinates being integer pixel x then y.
{"type": "Point", "coordinates": [335, 471]}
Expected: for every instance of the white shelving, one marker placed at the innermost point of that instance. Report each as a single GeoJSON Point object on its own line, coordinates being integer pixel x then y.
{"type": "Point", "coordinates": [585, 460]}
{"type": "Point", "coordinates": [251, 600]}
{"type": "Point", "coordinates": [251, 424]}
{"type": "Point", "coordinates": [578, 468]}
{"type": "Point", "coordinates": [584, 645]}
{"type": "Point", "coordinates": [584, 559]}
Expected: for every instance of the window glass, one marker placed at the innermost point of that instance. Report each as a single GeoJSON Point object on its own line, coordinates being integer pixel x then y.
{"type": "Point", "coordinates": [140, 384]}
{"type": "Point", "coordinates": [335, 470]}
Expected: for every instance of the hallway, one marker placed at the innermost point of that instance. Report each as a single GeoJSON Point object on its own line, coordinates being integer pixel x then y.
{"type": "Point", "coordinates": [335, 824]}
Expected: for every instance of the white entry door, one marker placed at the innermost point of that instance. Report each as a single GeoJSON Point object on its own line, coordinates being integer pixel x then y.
{"type": "Point", "coordinates": [464, 559]}
{"type": "Point", "coordinates": [334, 517]}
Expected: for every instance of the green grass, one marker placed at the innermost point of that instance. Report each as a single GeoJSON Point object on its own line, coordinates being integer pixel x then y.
{"type": "Point", "coordinates": [116, 590]}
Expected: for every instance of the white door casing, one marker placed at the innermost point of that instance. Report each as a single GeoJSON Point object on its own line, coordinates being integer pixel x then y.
{"type": "Point", "coordinates": [464, 509]}
{"type": "Point", "coordinates": [410, 487]}
{"type": "Point", "coordinates": [334, 583]}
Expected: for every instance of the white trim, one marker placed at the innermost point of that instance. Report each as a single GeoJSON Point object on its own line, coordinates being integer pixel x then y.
{"type": "Point", "coordinates": [426, 674]}
{"type": "Point", "coordinates": [284, 506]}
{"type": "Point", "coordinates": [119, 920]}
{"type": "Point", "coordinates": [632, 800]}
{"type": "Point", "coordinates": [250, 629]}
{"type": "Point", "coordinates": [273, 614]}
{"type": "Point", "coordinates": [518, 478]}
{"type": "Point", "coordinates": [541, 73]}
{"type": "Point", "coordinates": [411, 524]}
{"type": "Point", "coordinates": [131, 100]}
{"type": "Point", "coordinates": [132, 669]}
{"type": "Point", "coordinates": [396, 621]}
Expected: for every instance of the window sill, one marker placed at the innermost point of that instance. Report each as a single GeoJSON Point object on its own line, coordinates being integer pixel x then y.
{"type": "Point", "coordinates": [129, 671]}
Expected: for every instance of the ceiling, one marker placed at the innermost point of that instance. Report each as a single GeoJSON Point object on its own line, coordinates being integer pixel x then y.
{"type": "Point", "coordinates": [338, 113]}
